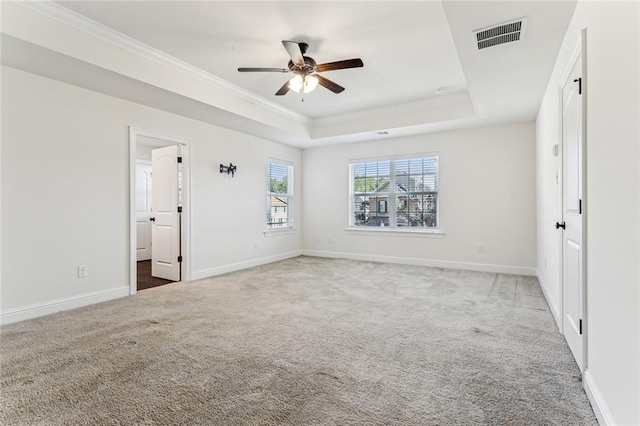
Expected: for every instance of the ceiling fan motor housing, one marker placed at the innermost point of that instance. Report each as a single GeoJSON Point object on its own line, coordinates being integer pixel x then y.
{"type": "Point", "coordinates": [308, 68]}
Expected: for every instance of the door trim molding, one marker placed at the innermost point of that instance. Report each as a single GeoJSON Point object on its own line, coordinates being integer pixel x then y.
{"type": "Point", "coordinates": [135, 136]}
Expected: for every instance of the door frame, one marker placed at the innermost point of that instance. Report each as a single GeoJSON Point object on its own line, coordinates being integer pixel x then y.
{"type": "Point", "coordinates": [578, 53]}
{"type": "Point", "coordinates": [141, 136]}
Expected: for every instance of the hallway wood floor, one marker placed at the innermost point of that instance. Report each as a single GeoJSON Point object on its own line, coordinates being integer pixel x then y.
{"type": "Point", "coordinates": [145, 280]}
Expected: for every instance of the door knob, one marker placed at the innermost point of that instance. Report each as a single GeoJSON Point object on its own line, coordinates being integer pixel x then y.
{"type": "Point", "coordinates": [153, 219]}
{"type": "Point", "coordinates": [561, 225]}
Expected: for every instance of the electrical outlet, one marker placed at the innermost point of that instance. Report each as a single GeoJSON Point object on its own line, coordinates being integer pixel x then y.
{"type": "Point", "coordinates": [480, 248]}
{"type": "Point", "coordinates": [83, 271]}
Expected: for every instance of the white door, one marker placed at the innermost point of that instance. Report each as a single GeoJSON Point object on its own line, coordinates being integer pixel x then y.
{"type": "Point", "coordinates": [165, 229]}
{"type": "Point", "coordinates": [572, 206]}
{"type": "Point", "coordinates": [143, 211]}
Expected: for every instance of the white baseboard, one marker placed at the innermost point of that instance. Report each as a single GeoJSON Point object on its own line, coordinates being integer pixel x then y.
{"type": "Point", "coordinates": [555, 309]}
{"type": "Point", "coordinates": [51, 307]}
{"type": "Point", "coordinates": [206, 273]}
{"type": "Point", "coordinates": [600, 408]}
{"type": "Point", "coordinates": [502, 269]}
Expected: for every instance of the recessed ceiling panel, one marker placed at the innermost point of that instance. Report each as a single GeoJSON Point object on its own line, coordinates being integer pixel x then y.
{"type": "Point", "coordinates": [407, 48]}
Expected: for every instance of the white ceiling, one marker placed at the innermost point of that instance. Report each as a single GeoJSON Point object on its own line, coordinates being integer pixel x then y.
{"type": "Point", "coordinates": [407, 57]}
{"type": "Point", "coordinates": [409, 49]}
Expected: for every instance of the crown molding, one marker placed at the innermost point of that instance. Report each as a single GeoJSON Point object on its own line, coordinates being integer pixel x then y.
{"type": "Point", "coordinates": [96, 29]}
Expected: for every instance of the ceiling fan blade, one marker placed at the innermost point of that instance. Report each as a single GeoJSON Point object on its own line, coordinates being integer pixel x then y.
{"type": "Point", "coordinates": [284, 89]}
{"type": "Point", "coordinates": [325, 82]}
{"type": "Point", "coordinates": [294, 51]}
{"type": "Point", "coordinates": [263, 70]}
{"type": "Point", "coordinates": [340, 65]}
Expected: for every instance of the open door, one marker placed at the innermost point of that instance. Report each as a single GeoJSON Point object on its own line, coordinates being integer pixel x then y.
{"type": "Point", "coordinates": [165, 229]}
{"type": "Point", "coordinates": [143, 211]}
{"type": "Point", "coordinates": [572, 211]}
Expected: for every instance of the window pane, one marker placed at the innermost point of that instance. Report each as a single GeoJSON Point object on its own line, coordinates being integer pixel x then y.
{"type": "Point", "coordinates": [370, 211]}
{"type": "Point", "coordinates": [408, 198]}
{"type": "Point", "coordinates": [277, 212]}
{"type": "Point", "coordinates": [277, 178]}
{"type": "Point", "coordinates": [402, 210]}
{"type": "Point", "coordinates": [279, 195]}
{"type": "Point", "coordinates": [379, 215]}
{"type": "Point", "coordinates": [361, 209]}
{"type": "Point", "coordinates": [431, 210]}
{"type": "Point", "coordinates": [371, 177]}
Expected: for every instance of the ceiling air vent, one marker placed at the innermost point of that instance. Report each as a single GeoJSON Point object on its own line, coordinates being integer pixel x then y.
{"type": "Point", "coordinates": [500, 34]}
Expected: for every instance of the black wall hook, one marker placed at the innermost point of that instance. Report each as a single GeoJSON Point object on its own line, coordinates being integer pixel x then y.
{"type": "Point", "coordinates": [230, 169]}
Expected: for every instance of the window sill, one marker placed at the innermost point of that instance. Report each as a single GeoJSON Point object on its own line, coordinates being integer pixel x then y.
{"type": "Point", "coordinates": [279, 231]}
{"type": "Point", "coordinates": [372, 230]}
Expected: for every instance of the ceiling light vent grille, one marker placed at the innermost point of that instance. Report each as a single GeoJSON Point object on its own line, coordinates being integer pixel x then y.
{"type": "Point", "coordinates": [500, 34]}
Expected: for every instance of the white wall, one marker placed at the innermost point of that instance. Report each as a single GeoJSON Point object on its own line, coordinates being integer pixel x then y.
{"type": "Point", "coordinates": [143, 152]}
{"type": "Point", "coordinates": [66, 194]}
{"type": "Point", "coordinates": [612, 376]}
{"type": "Point", "coordinates": [487, 196]}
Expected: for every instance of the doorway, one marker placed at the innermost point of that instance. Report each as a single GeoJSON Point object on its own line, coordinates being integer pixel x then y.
{"type": "Point", "coordinates": [159, 197]}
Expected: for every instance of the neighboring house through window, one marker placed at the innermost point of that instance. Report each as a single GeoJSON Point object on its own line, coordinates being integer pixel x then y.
{"type": "Point", "coordinates": [395, 193]}
{"type": "Point", "coordinates": [279, 195]}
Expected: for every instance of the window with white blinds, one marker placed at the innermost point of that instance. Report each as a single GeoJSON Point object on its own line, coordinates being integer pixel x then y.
{"type": "Point", "coordinates": [279, 195]}
{"type": "Point", "coordinates": [395, 193]}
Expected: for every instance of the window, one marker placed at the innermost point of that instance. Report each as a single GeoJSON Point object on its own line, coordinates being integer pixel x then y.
{"type": "Point", "coordinates": [279, 195]}
{"type": "Point", "coordinates": [395, 193]}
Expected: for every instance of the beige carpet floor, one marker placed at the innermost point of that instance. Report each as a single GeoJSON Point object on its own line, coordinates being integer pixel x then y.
{"type": "Point", "coordinates": [305, 341]}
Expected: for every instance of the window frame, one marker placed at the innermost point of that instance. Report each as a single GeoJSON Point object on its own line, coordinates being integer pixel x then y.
{"type": "Point", "coordinates": [392, 228]}
{"type": "Point", "coordinates": [274, 227]}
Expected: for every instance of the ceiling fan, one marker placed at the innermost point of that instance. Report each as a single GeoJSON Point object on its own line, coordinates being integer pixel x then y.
{"type": "Point", "coordinates": [305, 70]}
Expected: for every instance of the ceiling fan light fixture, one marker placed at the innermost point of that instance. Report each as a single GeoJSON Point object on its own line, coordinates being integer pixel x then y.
{"type": "Point", "coordinates": [304, 84]}
{"type": "Point", "coordinates": [306, 71]}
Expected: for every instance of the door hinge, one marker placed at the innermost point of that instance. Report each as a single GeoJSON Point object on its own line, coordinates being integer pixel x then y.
{"type": "Point", "coordinates": [579, 206]}
{"type": "Point", "coordinates": [180, 260]}
{"type": "Point", "coordinates": [581, 327]}
{"type": "Point", "coordinates": [179, 209]}
{"type": "Point", "coordinates": [579, 81]}
{"type": "Point", "coordinates": [179, 159]}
